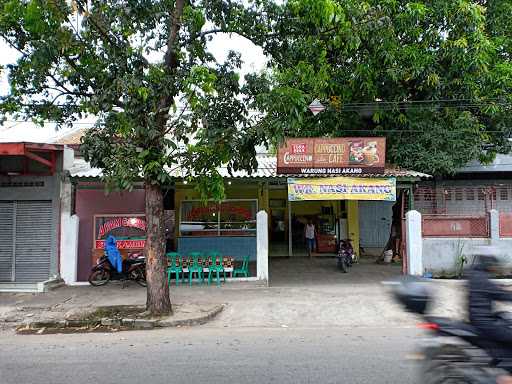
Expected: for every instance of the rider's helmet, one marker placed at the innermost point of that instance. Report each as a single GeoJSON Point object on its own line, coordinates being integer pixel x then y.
{"type": "Point", "coordinates": [486, 258]}
{"type": "Point", "coordinates": [414, 294]}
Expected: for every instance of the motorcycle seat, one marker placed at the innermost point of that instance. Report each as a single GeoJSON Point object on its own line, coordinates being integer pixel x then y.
{"type": "Point", "coordinates": [455, 327]}
{"type": "Point", "coordinates": [134, 261]}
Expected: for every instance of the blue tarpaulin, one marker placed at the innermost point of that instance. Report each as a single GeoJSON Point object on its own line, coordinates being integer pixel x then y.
{"type": "Point", "coordinates": [113, 254]}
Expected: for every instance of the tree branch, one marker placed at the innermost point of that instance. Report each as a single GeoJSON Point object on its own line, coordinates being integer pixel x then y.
{"type": "Point", "coordinates": [171, 62]}
{"type": "Point", "coordinates": [104, 32]}
{"type": "Point", "coordinates": [59, 83]}
{"type": "Point", "coordinates": [171, 58]}
{"type": "Point", "coordinates": [98, 28]}
{"type": "Point", "coordinates": [12, 45]}
{"type": "Point", "coordinates": [168, 130]}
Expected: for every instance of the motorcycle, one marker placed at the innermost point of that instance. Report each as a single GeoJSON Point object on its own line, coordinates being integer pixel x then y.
{"type": "Point", "coordinates": [346, 255]}
{"type": "Point", "coordinates": [454, 351]}
{"type": "Point", "coordinates": [134, 268]}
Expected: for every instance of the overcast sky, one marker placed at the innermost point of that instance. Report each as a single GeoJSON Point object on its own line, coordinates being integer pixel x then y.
{"type": "Point", "coordinates": [252, 56]}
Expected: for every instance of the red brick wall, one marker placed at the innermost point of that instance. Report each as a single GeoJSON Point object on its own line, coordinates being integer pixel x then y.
{"type": "Point", "coordinates": [455, 226]}
{"type": "Point", "coordinates": [90, 202]}
{"type": "Point", "coordinates": [505, 224]}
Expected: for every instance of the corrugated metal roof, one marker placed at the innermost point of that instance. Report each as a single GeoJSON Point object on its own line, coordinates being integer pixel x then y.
{"type": "Point", "coordinates": [72, 138]}
{"type": "Point", "coordinates": [267, 165]}
{"type": "Point", "coordinates": [502, 163]}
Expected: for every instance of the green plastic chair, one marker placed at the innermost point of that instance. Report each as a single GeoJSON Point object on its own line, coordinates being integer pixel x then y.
{"type": "Point", "coordinates": [216, 267]}
{"type": "Point", "coordinates": [175, 267]}
{"type": "Point", "coordinates": [213, 254]}
{"type": "Point", "coordinates": [196, 267]}
{"type": "Point", "coordinates": [244, 269]}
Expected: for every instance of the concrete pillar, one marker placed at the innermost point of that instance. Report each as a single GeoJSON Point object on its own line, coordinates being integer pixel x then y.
{"type": "Point", "coordinates": [414, 241]}
{"type": "Point", "coordinates": [68, 236]}
{"type": "Point", "coordinates": [353, 223]}
{"type": "Point", "coordinates": [69, 249]}
{"type": "Point", "coordinates": [494, 224]}
{"type": "Point", "coordinates": [262, 245]}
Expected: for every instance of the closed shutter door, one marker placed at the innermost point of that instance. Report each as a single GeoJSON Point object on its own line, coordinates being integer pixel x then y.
{"type": "Point", "coordinates": [33, 240]}
{"type": "Point", "coordinates": [6, 240]}
{"type": "Point", "coordinates": [375, 223]}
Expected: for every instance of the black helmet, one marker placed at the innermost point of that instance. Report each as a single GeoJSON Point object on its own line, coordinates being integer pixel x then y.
{"type": "Point", "coordinates": [487, 262]}
{"type": "Point", "coordinates": [414, 294]}
{"type": "Point", "coordinates": [486, 257]}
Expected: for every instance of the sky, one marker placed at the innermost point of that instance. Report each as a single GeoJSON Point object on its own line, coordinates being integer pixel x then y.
{"type": "Point", "coordinates": [252, 56]}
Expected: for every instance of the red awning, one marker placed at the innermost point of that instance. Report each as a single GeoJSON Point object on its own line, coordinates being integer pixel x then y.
{"type": "Point", "coordinates": [44, 154]}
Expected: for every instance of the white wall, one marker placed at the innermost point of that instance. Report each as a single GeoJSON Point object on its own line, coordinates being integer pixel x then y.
{"type": "Point", "coordinates": [440, 255]}
{"type": "Point", "coordinates": [68, 236]}
{"type": "Point", "coordinates": [262, 245]}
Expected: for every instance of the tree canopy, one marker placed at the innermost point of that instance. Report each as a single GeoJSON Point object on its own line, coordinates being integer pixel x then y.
{"type": "Point", "coordinates": [164, 104]}
{"type": "Point", "coordinates": [144, 70]}
{"type": "Point", "coordinates": [433, 76]}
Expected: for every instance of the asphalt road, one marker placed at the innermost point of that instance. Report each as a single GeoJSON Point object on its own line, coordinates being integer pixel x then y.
{"type": "Point", "coordinates": [214, 355]}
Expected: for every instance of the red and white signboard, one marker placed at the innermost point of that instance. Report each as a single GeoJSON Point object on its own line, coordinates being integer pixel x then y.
{"type": "Point", "coordinates": [122, 244]}
{"type": "Point", "coordinates": [343, 155]}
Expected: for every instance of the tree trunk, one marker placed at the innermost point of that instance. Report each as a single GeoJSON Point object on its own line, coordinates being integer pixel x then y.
{"type": "Point", "coordinates": [158, 300]}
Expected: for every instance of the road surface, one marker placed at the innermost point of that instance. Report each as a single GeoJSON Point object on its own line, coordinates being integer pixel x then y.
{"type": "Point", "coordinates": [212, 354]}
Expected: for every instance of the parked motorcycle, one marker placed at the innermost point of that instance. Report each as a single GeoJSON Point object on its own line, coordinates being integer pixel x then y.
{"type": "Point", "coordinates": [454, 352]}
{"type": "Point", "coordinates": [134, 268]}
{"type": "Point", "coordinates": [346, 255]}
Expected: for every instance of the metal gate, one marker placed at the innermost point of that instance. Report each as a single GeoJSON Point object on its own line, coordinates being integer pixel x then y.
{"type": "Point", "coordinates": [7, 232]}
{"type": "Point", "coordinates": [375, 219]}
{"type": "Point", "coordinates": [26, 241]}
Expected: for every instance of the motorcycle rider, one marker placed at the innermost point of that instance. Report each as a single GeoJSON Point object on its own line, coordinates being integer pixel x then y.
{"type": "Point", "coordinates": [482, 295]}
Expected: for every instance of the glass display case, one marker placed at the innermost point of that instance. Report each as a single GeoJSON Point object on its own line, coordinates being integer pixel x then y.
{"type": "Point", "coordinates": [228, 218]}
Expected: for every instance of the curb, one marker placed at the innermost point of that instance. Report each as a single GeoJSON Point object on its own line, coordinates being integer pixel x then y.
{"type": "Point", "coordinates": [110, 324]}
{"type": "Point", "coordinates": [198, 320]}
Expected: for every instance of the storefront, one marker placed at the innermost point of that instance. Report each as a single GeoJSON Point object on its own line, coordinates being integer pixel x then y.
{"type": "Point", "coordinates": [355, 200]}
{"type": "Point", "coordinates": [228, 227]}
{"type": "Point", "coordinates": [332, 205]}
{"type": "Point", "coordinates": [30, 190]}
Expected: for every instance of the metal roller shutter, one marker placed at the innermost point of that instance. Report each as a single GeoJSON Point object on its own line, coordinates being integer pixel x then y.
{"type": "Point", "coordinates": [6, 240]}
{"type": "Point", "coordinates": [33, 240]}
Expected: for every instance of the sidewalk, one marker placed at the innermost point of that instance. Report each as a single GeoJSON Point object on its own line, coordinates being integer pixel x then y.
{"type": "Point", "coordinates": [249, 304]}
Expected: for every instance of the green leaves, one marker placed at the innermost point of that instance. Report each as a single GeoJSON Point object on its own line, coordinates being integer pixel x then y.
{"type": "Point", "coordinates": [144, 69]}
{"type": "Point", "coordinates": [402, 70]}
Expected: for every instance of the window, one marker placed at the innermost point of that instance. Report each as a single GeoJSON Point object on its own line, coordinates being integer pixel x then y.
{"type": "Point", "coordinates": [470, 194]}
{"type": "Point", "coordinates": [199, 219]}
{"type": "Point", "coordinates": [448, 194]}
{"type": "Point", "coordinates": [481, 194]}
{"type": "Point", "coordinates": [458, 195]}
{"type": "Point", "coordinates": [238, 217]}
{"type": "Point", "coordinates": [503, 193]}
{"type": "Point", "coordinates": [229, 218]}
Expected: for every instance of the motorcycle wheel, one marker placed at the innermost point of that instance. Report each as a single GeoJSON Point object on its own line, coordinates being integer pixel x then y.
{"type": "Point", "coordinates": [139, 275]}
{"type": "Point", "coordinates": [343, 266]}
{"type": "Point", "coordinates": [99, 277]}
{"type": "Point", "coordinates": [439, 369]}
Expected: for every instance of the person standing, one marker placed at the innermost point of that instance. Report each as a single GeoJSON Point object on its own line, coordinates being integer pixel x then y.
{"type": "Point", "coordinates": [310, 235]}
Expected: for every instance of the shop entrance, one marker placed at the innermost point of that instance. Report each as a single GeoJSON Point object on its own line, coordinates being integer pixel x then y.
{"type": "Point", "coordinates": [369, 224]}
{"type": "Point", "coordinates": [326, 217]}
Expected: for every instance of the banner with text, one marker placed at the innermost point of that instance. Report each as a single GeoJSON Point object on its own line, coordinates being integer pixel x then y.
{"type": "Point", "coordinates": [342, 188]}
{"type": "Point", "coordinates": [341, 155]}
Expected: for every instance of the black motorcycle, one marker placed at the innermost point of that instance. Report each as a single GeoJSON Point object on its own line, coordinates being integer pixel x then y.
{"type": "Point", "coordinates": [455, 352]}
{"type": "Point", "coordinates": [134, 268]}
{"type": "Point", "coordinates": [346, 255]}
